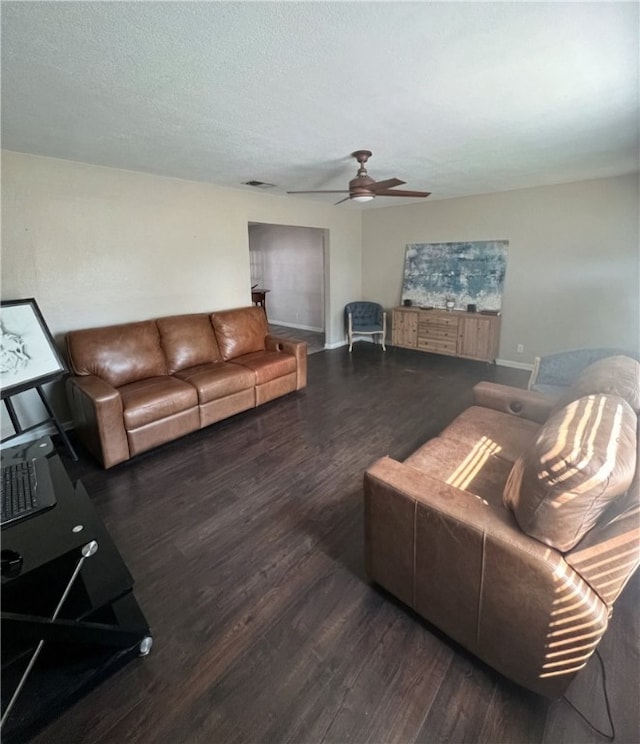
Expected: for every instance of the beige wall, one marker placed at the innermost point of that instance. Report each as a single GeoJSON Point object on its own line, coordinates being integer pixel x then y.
{"type": "Point", "coordinates": [98, 245]}
{"type": "Point", "coordinates": [573, 270]}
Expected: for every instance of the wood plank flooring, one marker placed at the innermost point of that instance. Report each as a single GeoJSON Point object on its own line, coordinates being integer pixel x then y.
{"type": "Point", "coordinates": [246, 543]}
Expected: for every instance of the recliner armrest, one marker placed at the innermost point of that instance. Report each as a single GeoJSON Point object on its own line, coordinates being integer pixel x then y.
{"type": "Point", "coordinates": [98, 417]}
{"type": "Point", "coordinates": [463, 506]}
{"type": "Point", "coordinates": [298, 349]}
{"type": "Point", "coordinates": [527, 404]}
{"type": "Point", "coordinates": [397, 494]}
{"type": "Point", "coordinates": [466, 567]}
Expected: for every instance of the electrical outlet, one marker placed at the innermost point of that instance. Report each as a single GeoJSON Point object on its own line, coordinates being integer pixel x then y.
{"type": "Point", "coordinates": [520, 348]}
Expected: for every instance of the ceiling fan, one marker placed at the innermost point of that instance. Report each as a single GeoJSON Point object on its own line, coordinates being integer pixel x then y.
{"type": "Point", "coordinates": [363, 188]}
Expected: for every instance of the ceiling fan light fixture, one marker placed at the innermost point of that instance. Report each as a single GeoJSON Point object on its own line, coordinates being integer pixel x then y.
{"type": "Point", "coordinates": [363, 188]}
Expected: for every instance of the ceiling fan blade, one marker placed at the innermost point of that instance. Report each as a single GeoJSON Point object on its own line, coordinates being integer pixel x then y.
{"type": "Point", "coordinates": [388, 184]}
{"type": "Point", "coordinates": [395, 192]}
{"type": "Point", "coordinates": [341, 191]}
{"type": "Point", "coordinates": [342, 200]}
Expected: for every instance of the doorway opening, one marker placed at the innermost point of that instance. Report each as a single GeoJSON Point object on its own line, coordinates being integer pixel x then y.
{"type": "Point", "coordinates": [288, 272]}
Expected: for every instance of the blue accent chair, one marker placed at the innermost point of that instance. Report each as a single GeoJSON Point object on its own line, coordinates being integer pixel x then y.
{"type": "Point", "coordinates": [365, 319]}
{"type": "Point", "coordinates": [553, 373]}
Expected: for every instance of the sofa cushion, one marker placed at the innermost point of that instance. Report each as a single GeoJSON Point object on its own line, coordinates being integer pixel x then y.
{"type": "Point", "coordinates": [615, 375]}
{"type": "Point", "coordinates": [156, 398]}
{"type": "Point", "coordinates": [119, 354]}
{"type": "Point", "coordinates": [268, 365]}
{"type": "Point", "coordinates": [240, 331]}
{"type": "Point", "coordinates": [187, 341]}
{"type": "Point", "coordinates": [214, 381]}
{"type": "Point", "coordinates": [470, 467]}
{"type": "Point", "coordinates": [583, 458]}
{"type": "Point", "coordinates": [511, 434]}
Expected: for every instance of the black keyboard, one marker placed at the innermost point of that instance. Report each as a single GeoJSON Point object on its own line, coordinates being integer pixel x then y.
{"type": "Point", "coordinates": [26, 489]}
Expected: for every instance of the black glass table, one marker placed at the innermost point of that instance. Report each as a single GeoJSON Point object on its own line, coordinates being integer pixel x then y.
{"type": "Point", "coordinates": [69, 615]}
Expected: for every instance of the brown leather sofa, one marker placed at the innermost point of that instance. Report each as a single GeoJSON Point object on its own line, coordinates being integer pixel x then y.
{"type": "Point", "coordinates": [138, 385]}
{"type": "Point", "coordinates": [515, 530]}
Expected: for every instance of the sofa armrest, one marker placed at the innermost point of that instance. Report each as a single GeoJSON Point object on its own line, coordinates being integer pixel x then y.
{"type": "Point", "coordinates": [466, 508]}
{"type": "Point", "coordinates": [527, 404]}
{"type": "Point", "coordinates": [394, 495]}
{"type": "Point", "coordinates": [98, 416]}
{"type": "Point", "coordinates": [298, 349]}
{"type": "Point", "coordinates": [467, 568]}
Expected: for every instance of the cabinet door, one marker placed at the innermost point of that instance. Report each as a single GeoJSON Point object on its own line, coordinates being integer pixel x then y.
{"type": "Point", "coordinates": [405, 328]}
{"type": "Point", "coordinates": [477, 337]}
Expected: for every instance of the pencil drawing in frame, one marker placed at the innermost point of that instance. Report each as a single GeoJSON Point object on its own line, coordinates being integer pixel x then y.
{"type": "Point", "coordinates": [28, 354]}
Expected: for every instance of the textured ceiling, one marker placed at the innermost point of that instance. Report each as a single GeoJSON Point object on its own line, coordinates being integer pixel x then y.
{"type": "Point", "coordinates": [454, 98]}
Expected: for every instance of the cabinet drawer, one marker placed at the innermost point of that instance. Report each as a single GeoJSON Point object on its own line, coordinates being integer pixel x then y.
{"type": "Point", "coordinates": [442, 320]}
{"type": "Point", "coordinates": [437, 333]}
{"type": "Point", "coordinates": [437, 326]}
{"type": "Point", "coordinates": [438, 346]}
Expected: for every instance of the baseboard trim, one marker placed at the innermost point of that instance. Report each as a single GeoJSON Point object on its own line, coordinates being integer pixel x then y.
{"type": "Point", "coordinates": [515, 365]}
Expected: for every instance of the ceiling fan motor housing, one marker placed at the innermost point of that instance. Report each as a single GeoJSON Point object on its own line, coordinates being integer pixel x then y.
{"type": "Point", "coordinates": [361, 186]}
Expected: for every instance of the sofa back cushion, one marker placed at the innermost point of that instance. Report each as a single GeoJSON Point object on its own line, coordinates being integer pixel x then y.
{"type": "Point", "coordinates": [187, 341]}
{"type": "Point", "coordinates": [118, 354]}
{"type": "Point", "coordinates": [615, 375]}
{"type": "Point", "coordinates": [240, 331]}
{"type": "Point", "coordinates": [583, 458]}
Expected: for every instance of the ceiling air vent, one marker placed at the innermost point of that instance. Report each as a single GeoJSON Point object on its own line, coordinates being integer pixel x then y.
{"type": "Point", "coordinates": [260, 184]}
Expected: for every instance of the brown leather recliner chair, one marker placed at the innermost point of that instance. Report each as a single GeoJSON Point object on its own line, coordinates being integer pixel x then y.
{"type": "Point", "coordinates": [516, 529]}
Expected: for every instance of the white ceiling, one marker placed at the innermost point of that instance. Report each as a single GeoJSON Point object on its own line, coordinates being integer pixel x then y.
{"type": "Point", "coordinates": [455, 98]}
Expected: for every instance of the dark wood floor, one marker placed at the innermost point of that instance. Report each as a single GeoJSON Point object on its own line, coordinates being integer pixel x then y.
{"type": "Point", "coordinates": [246, 543]}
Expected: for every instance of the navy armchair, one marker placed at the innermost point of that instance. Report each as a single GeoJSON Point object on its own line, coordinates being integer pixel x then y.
{"type": "Point", "coordinates": [365, 319]}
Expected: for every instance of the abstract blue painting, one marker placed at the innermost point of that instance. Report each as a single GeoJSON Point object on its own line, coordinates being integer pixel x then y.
{"type": "Point", "coordinates": [466, 273]}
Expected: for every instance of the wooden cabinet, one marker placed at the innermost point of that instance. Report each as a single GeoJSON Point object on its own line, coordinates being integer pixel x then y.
{"type": "Point", "coordinates": [478, 336]}
{"type": "Point", "coordinates": [456, 333]}
{"type": "Point", "coordinates": [405, 328]}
